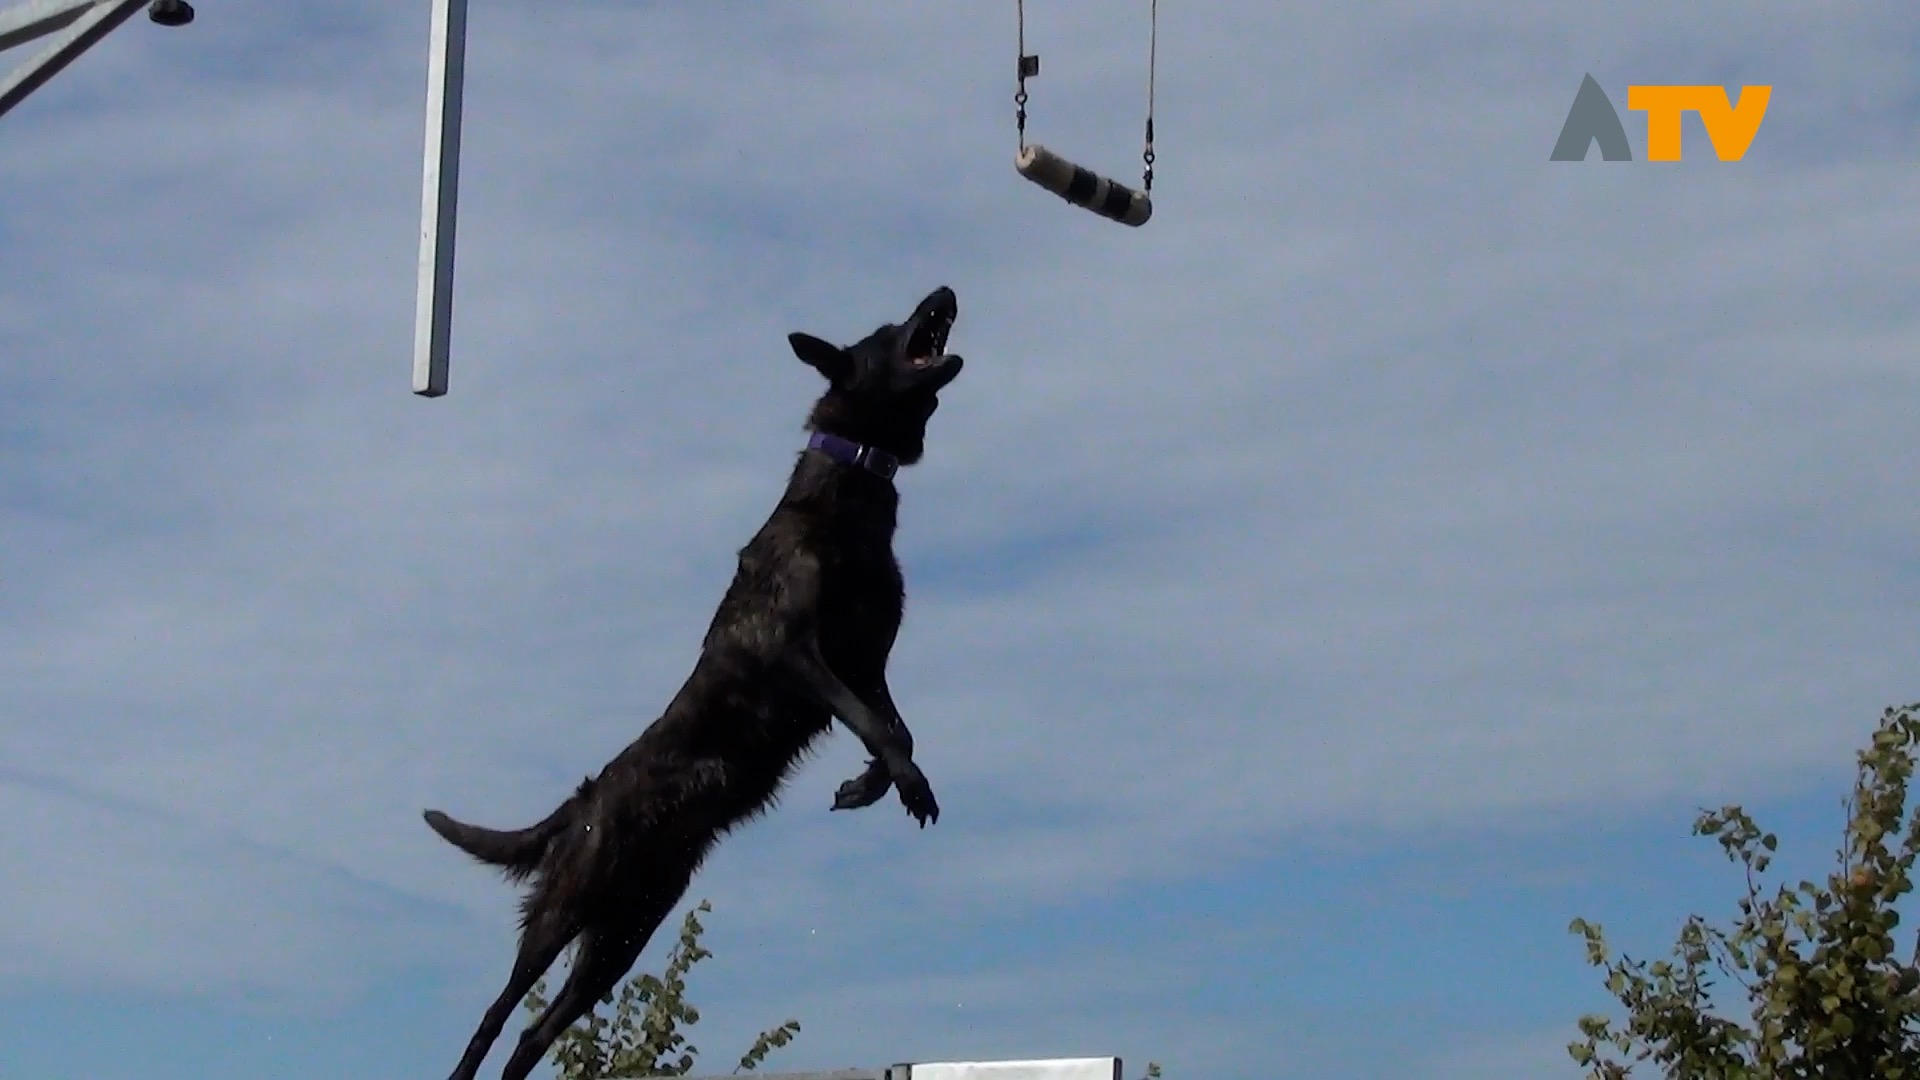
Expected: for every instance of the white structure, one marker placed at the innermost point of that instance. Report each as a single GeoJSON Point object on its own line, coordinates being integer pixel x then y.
{"type": "Point", "coordinates": [71, 27]}
{"type": "Point", "coordinates": [1100, 1068]}
{"type": "Point", "coordinates": [439, 196]}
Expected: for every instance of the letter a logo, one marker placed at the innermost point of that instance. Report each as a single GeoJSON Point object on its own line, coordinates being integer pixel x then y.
{"type": "Point", "coordinates": [1592, 119]}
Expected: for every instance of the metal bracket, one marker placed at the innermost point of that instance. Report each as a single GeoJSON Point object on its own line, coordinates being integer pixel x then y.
{"type": "Point", "coordinates": [73, 27]}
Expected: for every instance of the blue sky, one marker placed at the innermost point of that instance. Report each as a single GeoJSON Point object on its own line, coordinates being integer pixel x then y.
{"type": "Point", "coordinates": [1318, 596]}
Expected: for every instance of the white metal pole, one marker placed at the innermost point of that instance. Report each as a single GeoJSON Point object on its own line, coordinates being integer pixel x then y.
{"type": "Point", "coordinates": [439, 195]}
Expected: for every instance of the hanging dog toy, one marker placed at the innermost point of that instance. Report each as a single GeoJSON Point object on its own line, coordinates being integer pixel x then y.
{"type": "Point", "coordinates": [1079, 186]}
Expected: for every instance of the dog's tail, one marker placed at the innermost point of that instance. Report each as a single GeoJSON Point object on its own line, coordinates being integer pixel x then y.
{"type": "Point", "coordinates": [517, 852]}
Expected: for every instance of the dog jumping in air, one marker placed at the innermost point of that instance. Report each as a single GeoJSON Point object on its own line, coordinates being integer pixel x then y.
{"type": "Point", "coordinates": [801, 637]}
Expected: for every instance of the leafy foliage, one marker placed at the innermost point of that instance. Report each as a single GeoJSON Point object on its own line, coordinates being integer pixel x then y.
{"type": "Point", "coordinates": [645, 1037]}
{"type": "Point", "coordinates": [1827, 994]}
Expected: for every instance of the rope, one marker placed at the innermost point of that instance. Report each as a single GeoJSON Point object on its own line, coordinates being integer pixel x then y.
{"type": "Point", "coordinates": [1020, 97]}
{"type": "Point", "coordinates": [1153, 47]}
{"type": "Point", "coordinates": [1030, 65]}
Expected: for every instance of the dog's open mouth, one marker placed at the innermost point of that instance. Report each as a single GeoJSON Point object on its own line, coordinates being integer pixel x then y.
{"type": "Point", "coordinates": [929, 339]}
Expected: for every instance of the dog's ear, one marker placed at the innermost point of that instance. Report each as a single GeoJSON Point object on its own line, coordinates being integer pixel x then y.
{"type": "Point", "coordinates": [829, 360]}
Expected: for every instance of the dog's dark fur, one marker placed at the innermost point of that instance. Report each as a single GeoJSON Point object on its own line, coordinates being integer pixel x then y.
{"type": "Point", "coordinates": [802, 636]}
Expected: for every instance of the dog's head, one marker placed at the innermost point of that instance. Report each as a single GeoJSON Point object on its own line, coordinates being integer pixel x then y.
{"type": "Point", "coordinates": [882, 389]}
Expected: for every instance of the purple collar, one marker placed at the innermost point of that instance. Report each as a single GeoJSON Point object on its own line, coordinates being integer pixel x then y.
{"type": "Point", "coordinates": [847, 452]}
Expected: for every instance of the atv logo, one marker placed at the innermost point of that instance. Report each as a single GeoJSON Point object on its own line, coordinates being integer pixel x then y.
{"type": "Point", "coordinates": [1730, 127]}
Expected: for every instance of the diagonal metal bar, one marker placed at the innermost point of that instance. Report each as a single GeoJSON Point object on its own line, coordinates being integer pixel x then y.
{"type": "Point", "coordinates": [73, 27]}
{"type": "Point", "coordinates": [24, 22]}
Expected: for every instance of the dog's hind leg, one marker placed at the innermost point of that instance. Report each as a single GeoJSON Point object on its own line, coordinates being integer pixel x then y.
{"type": "Point", "coordinates": [546, 934]}
{"type": "Point", "coordinates": [605, 955]}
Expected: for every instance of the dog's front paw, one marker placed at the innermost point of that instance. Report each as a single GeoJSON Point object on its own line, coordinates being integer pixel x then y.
{"type": "Point", "coordinates": [863, 790]}
{"type": "Point", "coordinates": [917, 794]}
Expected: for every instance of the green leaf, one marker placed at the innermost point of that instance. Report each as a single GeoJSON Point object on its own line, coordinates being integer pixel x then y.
{"type": "Point", "coordinates": [1817, 963]}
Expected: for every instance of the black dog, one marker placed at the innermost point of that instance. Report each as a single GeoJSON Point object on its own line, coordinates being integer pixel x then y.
{"type": "Point", "coordinates": [802, 636]}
